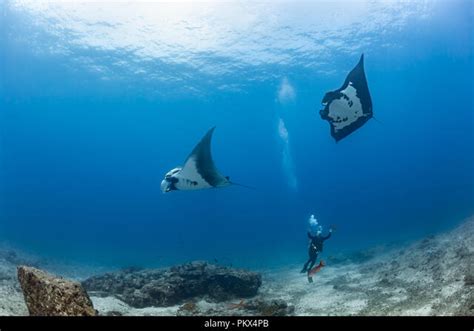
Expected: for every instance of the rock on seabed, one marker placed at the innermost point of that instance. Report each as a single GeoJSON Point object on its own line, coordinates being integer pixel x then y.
{"type": "Point", "coordinates": [48, 295]}
{"type": "Point", "coordinates": [167, 287]}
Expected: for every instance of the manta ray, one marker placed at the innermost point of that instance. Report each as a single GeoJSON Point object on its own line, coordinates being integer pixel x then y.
{"type": "Point", "coordinates": [198, 172]}
{"type": "Point", "coordinates": [349, 107]}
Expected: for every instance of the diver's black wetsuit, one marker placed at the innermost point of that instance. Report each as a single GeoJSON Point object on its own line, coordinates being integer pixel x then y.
{"type": "Point", "coordinates": [315, 247]}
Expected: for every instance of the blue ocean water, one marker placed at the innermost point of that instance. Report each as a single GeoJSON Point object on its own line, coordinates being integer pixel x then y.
{"type": "Point", "coordinates": [99, 100]}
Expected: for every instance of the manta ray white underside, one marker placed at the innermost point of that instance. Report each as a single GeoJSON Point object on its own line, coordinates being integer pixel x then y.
{"type": "Point", "coordinates": [198, 172]}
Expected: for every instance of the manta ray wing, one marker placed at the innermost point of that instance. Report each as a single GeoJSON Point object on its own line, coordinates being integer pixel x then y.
{"type": "Point", "coordinates": [349, 107]}
{"type": "Point", "coordinates": [199, 166]}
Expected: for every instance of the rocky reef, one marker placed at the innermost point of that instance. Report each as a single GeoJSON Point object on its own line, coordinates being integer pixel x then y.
{"type": "Point", "coordinates": [168, 287]}
{"type": "Point", "coordinates": [48, 295]}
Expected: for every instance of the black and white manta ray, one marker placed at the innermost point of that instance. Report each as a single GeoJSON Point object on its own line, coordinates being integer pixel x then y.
{"type": "Point", "coordinates": [349, 107]}
{"type": "Point", "coordinates": [198, 172]}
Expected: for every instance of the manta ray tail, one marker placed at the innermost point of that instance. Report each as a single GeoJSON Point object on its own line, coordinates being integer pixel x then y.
{"type": "Point", "coordinates": [237, 184]}
{"type": "Point", "coordinates": [377, 120]}
{"type": "Point", "coordinates": [242, 185]}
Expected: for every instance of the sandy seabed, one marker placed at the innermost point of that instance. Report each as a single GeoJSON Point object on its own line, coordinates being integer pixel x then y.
{"type": "Point", "coordinates": [431, 276]}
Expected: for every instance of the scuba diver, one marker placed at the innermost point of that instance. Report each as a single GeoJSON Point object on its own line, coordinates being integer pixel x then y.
{"type": "Point", "coordinates": [316, 243]}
